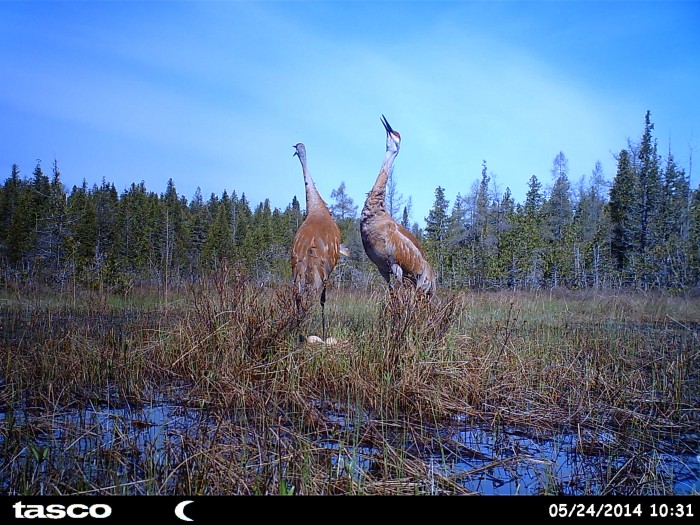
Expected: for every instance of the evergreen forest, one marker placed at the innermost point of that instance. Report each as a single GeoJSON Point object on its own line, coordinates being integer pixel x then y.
{"type": "Point", "coordinates": [640, 230]}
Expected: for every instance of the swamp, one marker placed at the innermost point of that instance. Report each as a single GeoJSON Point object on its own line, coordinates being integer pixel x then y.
{"type": "Point", "coordinates": [213, 393]}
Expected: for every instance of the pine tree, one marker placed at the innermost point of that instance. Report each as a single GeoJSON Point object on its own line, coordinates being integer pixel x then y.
{"type": "Point", "coordinates": [693, 244]}
{"type": "Point", "coordinates": [405, 222]}
{"type": "Point", "coordinates": [504, 226]}
{"type": "Point", "coordinates": [293, 218]}
{"type": "Point", "coordinates": [243, 219]}
{"type": "Point", "coordinates": [198, 224]}
{"type": "Point", "coordinates": [82, 238]}
{"type": "Point", "coordinates": [673, 226]}
{"type": "Point", "coordinates": [533, 197]}
{"type": "Point", "coordinates": [557, 214]}
{"type": "Point", "coordinates": [135, 225]}
{"type": "Point", "coordinates": [528, 258]}
{"type": "Point", "coordinates": [458, 260]}
{"type": "Point", "coordinates": [10, 235]}
{"type": "Point", "coordinates": [260, 241]}
{"type": "Point", "coordinates": [106, 203]}
{"type": "Point", "coordinates": [176, 223]}
{"type": "Point", "coordinates": [624, 209]}
{"type": "Point", "coordinates": [485, 241]}
{"type": "Point", "coordinates": [58, 230]}
{"type": "Point", "coordinates": [39, 247]}
{"type": "Point", "coordinates": [219, 244]}
{"type": "Point", "coordinates": [436, 232]}
{"type": "Point", "coordinates": [651, 191]}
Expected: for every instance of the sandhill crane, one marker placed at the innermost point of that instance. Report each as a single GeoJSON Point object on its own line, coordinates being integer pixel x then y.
{"type": "Point", "coordinates": [316, 247]}
{"type": "Point", "coordinates": [389, 245]}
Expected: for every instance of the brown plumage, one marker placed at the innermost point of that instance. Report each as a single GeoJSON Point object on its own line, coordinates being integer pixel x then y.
{"type": "Point", "coordinates": [389, 245]}
{"type": "Point", "coordinates": [316, 247]}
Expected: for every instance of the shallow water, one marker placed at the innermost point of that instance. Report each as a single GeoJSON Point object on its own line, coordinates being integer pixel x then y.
{"type": "Point", "coordinates": [500, 461]}
{"type": "Point", "coordinates": [514, 463]}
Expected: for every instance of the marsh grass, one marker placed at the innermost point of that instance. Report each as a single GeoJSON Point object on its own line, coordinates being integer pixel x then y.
{"type": "Point", "coordinates": [215, 394]}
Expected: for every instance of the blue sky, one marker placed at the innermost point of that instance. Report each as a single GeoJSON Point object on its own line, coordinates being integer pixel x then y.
{"type": "Point", "coordinates": [215, 94]}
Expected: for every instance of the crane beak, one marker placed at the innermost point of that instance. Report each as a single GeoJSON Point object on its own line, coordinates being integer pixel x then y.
{"type": "Point", "coordinates": [387, 127]}
{"type": "Point", "coordinates": [295, 151]}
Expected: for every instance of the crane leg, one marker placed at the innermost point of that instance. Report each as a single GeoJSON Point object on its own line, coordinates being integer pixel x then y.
{"type": "Point", "coordinates": [300, 336]}
{"type": "Point", "coordinates": [387, 277]}
{"type": "Point", "coordinates": [323, 312]}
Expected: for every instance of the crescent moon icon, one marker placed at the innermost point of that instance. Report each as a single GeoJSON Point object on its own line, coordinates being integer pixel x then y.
{"type": "Point", "coordinates": [180, 510]}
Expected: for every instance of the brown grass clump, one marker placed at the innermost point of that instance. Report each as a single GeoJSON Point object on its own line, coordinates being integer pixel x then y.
{"type": "Point", "coordinates": [214, 394]}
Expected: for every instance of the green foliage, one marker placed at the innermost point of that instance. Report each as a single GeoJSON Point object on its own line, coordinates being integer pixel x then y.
{"type": "Point", "coordinates": [624, 212]}
{"type": "Point", "coordinates": [693, 242]}
{"type": "Point", "coordinates": [557, 221]}
{"type": "Point", "coordinates": [643, 232]}
{"type": "Point", "coordinates": [15, 214]}
{"type": "Point", "coordinates": [220, 240]}
{"type": "Point", "coordinates": [436, 233]}
{"type": "Point", "coordinates": [528, 259]}
{"type": "Point", "coordinates": [650, 215]}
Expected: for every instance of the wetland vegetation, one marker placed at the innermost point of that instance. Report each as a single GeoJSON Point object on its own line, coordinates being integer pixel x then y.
{"type": "Point", "coordinates": [472, 393]}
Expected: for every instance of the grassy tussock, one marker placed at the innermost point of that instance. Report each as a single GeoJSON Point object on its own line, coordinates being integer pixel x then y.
{"type": "Point", "coordinates": [358, 416]}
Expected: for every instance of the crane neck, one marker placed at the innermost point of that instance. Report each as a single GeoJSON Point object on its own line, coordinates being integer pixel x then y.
{"type": "Point", "coordinates": [314, 201]}
{"type": "Point", "coordinates": [377, 195]}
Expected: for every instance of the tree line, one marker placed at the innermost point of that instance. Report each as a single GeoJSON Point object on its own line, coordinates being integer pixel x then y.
{"type": "Point", "coordinates": [641, 231]}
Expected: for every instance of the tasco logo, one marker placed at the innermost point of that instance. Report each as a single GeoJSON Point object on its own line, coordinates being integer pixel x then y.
{"type": "Point", "coordinates": [57, 512]}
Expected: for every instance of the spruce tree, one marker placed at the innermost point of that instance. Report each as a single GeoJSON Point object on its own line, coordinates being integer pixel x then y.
{"type": "Point", "coordinates": [404, 218]}
{"type": "Point", "coordinates": [459, 263]}
{"type": "Point", "coordinates": [528, 259]}
{"type": "Point", "coordinates": [436, 232]}
{"type": "Point", "coordinates": [10, 198]}
{"type": "Point", "coordinates": [81, 242]}
{"type": "Point", "coordinates": [673, 226]}
{"type": "Point", "coordinates": [57, 225]}
{"type": "Point", "coordinates": [243, 219]}
{"type": "Point", "coordinates": [624, 209]}
{"type": "Point", "coordinates": [650, 197]}
{"type": "Point", "coordinates": [557, 212]}
{"type": "Point", "coordinates": [694, 239]}
{"type": "Point", "coordinates": [504, 225]}
{"type": "Point", "coordinates": [219, 242]}
{"type": "Point", "coordinates": [198, 224]}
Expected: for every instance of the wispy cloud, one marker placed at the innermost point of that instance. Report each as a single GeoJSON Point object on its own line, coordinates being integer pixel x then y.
{"type": "Point", "coordinates": [215, 94]}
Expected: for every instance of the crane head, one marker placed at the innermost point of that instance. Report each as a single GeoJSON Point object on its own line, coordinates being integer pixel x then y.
{"type": "Point", "coordinates": [300, 150]}
{"type": "Point", "coordinates": [393, 139]}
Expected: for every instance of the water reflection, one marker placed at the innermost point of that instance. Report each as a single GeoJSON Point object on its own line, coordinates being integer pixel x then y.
{"type": "Point", "coordinates": [484, 460]}
{"type": "Point", "coordinates": [510, 462]}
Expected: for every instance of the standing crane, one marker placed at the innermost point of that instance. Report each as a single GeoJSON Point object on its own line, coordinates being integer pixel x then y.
{"type": "Point", "coordinates": [316, 247]}
{"type": "Point", "coordinates": [388, 244]}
